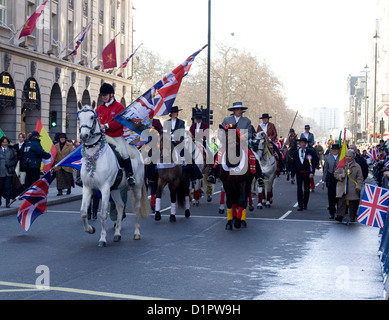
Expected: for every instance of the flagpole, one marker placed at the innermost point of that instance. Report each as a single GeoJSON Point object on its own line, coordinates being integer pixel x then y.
{"type": "Point", "coordinates": [82, 31]}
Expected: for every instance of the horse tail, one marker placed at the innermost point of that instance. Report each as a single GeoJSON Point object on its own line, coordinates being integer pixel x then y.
{"type": "Point", "coordinates": [181, 193]}
{"type": "Point", "coordinates": [144, 204]}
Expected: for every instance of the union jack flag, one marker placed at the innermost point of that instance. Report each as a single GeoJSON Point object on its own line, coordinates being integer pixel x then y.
{"type": "Point", "coordinates": [35, 199]}
{"type": "Point", "coordinates": [157, 101]}
{"type": "Point", "coordinates": [373, 207]}
{"type": "Point", "coordinates": [387, 162]}
{"type": "Point", "coordinates": [79, 41]}
{"type": "Point", "coordinates": [72, 160]}
{"type": "Point", "coordinates": [373, 154]}
{"type": "Point", "coordinates": [125, 63]}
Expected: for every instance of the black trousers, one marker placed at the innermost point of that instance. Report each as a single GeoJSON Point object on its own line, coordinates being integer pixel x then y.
{"type": "Point", "coordinates": [32, 175]}
{"type": "Point", "coordinates": [303, 181]}
{"type": "Point", "coordinates": [332, 200]}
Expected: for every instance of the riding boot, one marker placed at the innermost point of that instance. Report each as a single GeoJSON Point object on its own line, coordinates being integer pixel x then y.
{"type": "Point", "coordinates": [258, 174]}
{"type": "Point", "coordinates": [212, 175]}
{"type": "Point", "coordinates": [129, 172]}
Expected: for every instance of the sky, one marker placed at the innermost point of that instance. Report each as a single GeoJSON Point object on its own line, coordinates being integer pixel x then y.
{"type": "Point", "coordinates": [312, 46]}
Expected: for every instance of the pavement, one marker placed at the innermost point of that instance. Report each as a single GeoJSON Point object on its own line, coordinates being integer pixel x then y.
{"type": "Point", "coordinates": [52, 198]}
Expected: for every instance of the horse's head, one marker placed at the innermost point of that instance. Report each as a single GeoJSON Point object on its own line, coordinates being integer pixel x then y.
{"type": "Point", "coordinates": [260, 141]}
{"type": "Point", "coordinates": [89, 124]}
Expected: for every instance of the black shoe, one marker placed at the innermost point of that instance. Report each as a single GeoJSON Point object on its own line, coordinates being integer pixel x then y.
{"type": "Point", "coordinates": [211, 179]}
{"type": "Point", "coordinates": [339, 218]}
{"type": "Point", "coordinates": [300, 209]}
{"type": "Point", "coordinates": [59, 193]}
{"type": "Point", "coordinates": [69, 191]}
{"type": "Point", "coordinates": [332, 216]}
{"type": "Point", "coordinates": [131, 181]}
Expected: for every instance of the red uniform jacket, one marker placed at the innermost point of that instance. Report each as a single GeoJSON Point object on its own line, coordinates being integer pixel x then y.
{"type": "Point", "coordinates": [106, 114]}
{"type": "Point", "coordinates": [203, 126]}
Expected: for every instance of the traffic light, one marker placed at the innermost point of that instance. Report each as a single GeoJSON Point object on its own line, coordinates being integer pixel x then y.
{"type": "Point", "coordinates": [210, 117]}
{"type": "Point", "coordinates": [53, 119]}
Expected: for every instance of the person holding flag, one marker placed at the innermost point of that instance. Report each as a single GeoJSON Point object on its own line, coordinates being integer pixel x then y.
{"type": "Point", "coordinates": [33, 155]}
{"type": "Point", "coordinates": [113, 129]}
{"type": "Point", "coordinates": [349, 186]}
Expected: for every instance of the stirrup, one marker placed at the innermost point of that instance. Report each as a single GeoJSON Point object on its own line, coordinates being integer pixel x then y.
{"type": "Point", "coordinates": [211, 179]}
{"type": "Point", "coordinates": [131, 180]}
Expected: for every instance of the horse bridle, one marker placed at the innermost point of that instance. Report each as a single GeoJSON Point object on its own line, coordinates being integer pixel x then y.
{"type": "Point", "coordinates": [91, 129]}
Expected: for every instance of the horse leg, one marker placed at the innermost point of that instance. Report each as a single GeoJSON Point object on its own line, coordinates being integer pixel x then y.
{"type": "Point", "coordinates": [105, 193]}
{"type": "Point", "coordinates": [136, 196]}
{"type": "Point", "coordinates": [260, 198]}
{"type": "Point", "coordinates": [119, 204]}
{"type": "Point", "coordinates": [229, 213]}
{"type": "Point", "coordinates": [251, 207]}
{"type": "Point", "coordinates": [158, 195]}
{"type": "Point", "coordinates": [222, 196]}
{"type": "Point", "coordinates": [187, 204]}
{"type": "Point", "coordinates": [86, 198]}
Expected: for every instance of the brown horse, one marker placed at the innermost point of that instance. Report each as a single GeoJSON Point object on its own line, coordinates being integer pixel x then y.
{"type": "Point", "coordinates": [178, 181]}
{"type": "Point", "coordinates": [236, 178]}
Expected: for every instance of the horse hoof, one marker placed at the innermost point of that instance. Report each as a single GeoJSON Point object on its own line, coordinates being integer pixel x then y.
{"type": "Point", "coordinates": [229, 225]}
{"type": "Point", "coordinates": [136, 236]}
{"type": "Point", "coordinates": [102, 244]}
{"type": "Point", "coordinates": [259, 206]}
{"type": "Point", "coordinates": [187, 213]}
{"type": "Point", "coordinates": [157, 216]}
{"type": "Point", "coordinates": [172, 218]}
{"type": "Point", "coordinates": [221, 211]}
{"type": "Point", "coordinates": [237, 223]}
{"type": "Point", "coordinates": [267, 206]}
{"type": "Point", "coordinates": [251, 208]}
{"type": "Point", "coordinates": [93, 230]}
{"type": "Point", "coordinates": [244, 224]}
{"type": "Point", "coordinates": [209, 198]}
{"type": "Point", "coordinates": [117, 238]}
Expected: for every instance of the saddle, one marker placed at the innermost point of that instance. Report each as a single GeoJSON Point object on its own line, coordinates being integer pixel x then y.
{"type": "Point", "coordinates": [119, 176]}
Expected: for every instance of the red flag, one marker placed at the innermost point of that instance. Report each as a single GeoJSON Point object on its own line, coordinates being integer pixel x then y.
{"type": "Point", "coordinates": [109, 55]}
{"type": "Point", "coordinates": [342, 157]}
{"type": "Point", "coordinates": [47, 145]}
{"type": "Point", "coordinates": [30, 24]}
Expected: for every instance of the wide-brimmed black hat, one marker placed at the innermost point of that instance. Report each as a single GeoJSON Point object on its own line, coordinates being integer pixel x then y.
{"type": "Point", "coordinates": [174, 109]}
{"type": "Point", "coordinates": [335, 146]}
{"type": "Point", "coordinates": [61, 135]}
{"type": "Point", "coordinates": [302, 140]}
{"type": "Point", "coordinates": [307, 126]}
{"type": "Point", "coordinates": [237, 105]}
{"type": "Point", "coordinates": [265, 116]}
{"type": "Point", "coordinates": [199, 115]}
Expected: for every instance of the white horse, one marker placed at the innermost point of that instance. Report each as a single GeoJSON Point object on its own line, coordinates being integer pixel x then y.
{"type": "Point", "coordinates": [99, 171]}
{"type": "Point", "coordinates": [269, 166]}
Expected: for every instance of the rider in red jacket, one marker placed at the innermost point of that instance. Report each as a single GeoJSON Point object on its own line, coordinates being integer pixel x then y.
{"type": "Point", "coordinates": [113, 129]}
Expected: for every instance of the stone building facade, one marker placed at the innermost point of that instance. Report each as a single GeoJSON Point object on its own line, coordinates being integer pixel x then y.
{"type": "Point", "coordinates": [37, 80]}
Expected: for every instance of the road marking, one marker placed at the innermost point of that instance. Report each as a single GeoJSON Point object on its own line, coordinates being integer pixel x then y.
{"type": "Point", "coordinates": [30, 287]}
{"type": "Point", "coordinates": [285, 215]}
{"type": "Point", "coordinates": [296, 205]}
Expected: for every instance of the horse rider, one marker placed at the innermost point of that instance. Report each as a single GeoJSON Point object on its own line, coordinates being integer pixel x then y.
{"type": "Point", "coordinates": [271, 133]}
{"type": "Point", "coordinates": [170, 126]}
{"type": "Point", "coordinates": [199, 126]}
{"type": "Point", "coordinates": [113, 129]}
{"type": "Point", "coordinates": [242, 123]}
{"type": "Point", "coordinates": [291, 140]}
{"type": "Point", "coordinates": [308, 135]}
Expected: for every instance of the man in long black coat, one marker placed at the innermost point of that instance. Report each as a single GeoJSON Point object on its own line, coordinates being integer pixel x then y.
{"type": "Point", "coordinates": [304, 163]}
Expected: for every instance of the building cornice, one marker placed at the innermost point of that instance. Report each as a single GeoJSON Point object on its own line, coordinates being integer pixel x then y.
{"type": "Point", "coordinates": [59, 63]}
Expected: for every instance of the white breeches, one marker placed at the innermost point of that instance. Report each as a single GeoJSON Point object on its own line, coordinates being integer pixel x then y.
{"type": "Point", "coordinates": [120, 144]}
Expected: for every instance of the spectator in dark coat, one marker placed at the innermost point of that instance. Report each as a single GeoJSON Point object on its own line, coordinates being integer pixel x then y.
{"type": "Point", "coordinates": [8, 160]}
{"type": "Point", "coordinates": [33, 155]}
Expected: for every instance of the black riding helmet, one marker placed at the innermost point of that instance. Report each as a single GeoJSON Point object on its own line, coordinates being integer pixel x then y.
{"type": "Point", "coordinates": [106, 89]}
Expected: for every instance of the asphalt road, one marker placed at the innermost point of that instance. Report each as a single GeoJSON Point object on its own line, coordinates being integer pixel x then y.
{"type": "Point", "coordinates": [283, 254]}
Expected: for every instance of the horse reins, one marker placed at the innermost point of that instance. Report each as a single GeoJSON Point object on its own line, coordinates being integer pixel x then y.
{"type": "Point", "coordinates": [92, 129]}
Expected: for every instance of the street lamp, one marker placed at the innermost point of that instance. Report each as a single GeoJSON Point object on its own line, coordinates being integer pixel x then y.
{"type": "Point", "coordinates": [376, 37]}
{"type": "Point", "coordinates": [209, 62]}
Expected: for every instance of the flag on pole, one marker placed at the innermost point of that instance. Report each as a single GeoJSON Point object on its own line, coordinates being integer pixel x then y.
{"type": "Point", "coordinates": [125, 63]}
{"type": "Point", "coordinates": [79, 41]}
{"type": "Point", "coordinates": [47, 145]}
{"type": "Point", "coordinates": [31, 22]}
{"type": "Point", "coordinates": [73, 159]}
{"type": "Point", "coordinates": [342, 157]}
{"type": "Point", "coordinates": [109, 55]}
{"type": "Point", "coordinates": [374, 206]}
{"type": "Point", "coordinates": [35, 200]}
{"type": "Point", "coordinates": [157, 101]}
{"type": "Point", "coordinates": [1, 133]}
{"type": "Point", "coordinates": [373, 154]}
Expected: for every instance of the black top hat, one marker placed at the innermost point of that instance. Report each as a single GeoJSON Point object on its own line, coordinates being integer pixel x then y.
{"type": "Point", "coordinates": [199, 115]}
{"type": "Point", "coordinates": [265, 116]}
{"type": "Point", "coordinates": [307, 126]}
{"type": "Point", "coordinates": [174, 109]}
{"type": "Point", "coordinates": [61, 135]}
{"type": "Point", "coordinates": [237, 105]}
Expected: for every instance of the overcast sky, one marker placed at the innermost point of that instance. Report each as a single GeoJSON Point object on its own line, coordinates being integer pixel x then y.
{"type": "Point", "coordinates": [311, 45]}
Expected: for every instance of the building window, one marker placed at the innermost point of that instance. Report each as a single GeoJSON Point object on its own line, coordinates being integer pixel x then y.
{"type": "Point", "coordinates": [71, 4]}
{"type": "Point", "coordinates": [3, 12]}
